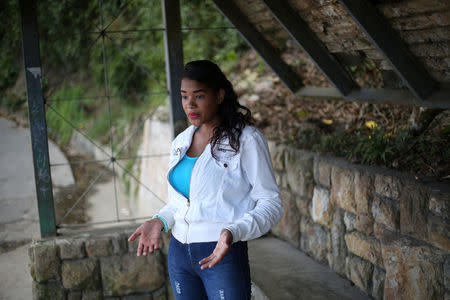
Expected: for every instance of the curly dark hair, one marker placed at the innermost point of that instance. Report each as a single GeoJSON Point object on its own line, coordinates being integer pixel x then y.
{"type": "Point", "coordinates": [234, 116]}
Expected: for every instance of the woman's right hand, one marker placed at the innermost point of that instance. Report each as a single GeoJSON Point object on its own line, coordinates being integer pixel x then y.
{"type": "Point", "coordinates": [148, 234]}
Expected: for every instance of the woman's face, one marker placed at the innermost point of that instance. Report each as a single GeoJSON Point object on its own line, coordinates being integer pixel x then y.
{"type": "Point", "coordinates": [200, 103]}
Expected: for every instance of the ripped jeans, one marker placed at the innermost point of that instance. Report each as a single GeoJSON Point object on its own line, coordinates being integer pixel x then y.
{"type": "Point", "coordinates": [229, 279]}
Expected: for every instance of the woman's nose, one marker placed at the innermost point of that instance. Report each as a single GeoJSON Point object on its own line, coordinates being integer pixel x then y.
{"type": "Point", "coordinates": [191, 101]}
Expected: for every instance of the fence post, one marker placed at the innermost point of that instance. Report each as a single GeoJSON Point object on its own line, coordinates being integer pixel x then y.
{"type": "Point", "coordinates": [36, 115]}
{"type": "Point", "coordinates": [173, 50]}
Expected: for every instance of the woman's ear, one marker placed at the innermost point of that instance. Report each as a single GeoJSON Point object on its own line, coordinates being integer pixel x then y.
{"type": "Point", "coordinates": [221, 95]}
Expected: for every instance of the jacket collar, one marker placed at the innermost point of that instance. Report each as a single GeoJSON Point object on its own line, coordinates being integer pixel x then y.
{"type": "Point", "coordinates": [185, 138]}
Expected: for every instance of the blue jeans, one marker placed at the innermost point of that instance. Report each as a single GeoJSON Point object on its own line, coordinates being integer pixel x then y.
{"type": "Point", "coordinates": [229, 279]}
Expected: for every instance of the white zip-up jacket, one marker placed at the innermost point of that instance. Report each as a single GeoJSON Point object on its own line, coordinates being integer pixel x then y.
{"type": "Point", "coordinates": [237, 192]}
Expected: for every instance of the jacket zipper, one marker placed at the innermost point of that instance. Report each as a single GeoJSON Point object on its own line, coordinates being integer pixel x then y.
{"type": "Point", "coordinates": [189, 193]}
{"type": "Point", "coordinates": [189, 201]}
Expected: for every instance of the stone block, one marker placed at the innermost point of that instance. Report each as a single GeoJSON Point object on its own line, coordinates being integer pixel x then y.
{"type": "Point", "coordinates": [436, 19]}
{"type": "Point", "coordinates": [403, 9]}
{"type": "Point", "coordinates": [439, 232]}
{"type": "Point", "coordinates": [436, 49]}
{"type": "Point", "coordinates": [71, 248]}
{"type": "Point", "coordinates": [387, 186]}
{"type": "Point", "coordinates": [338, 251]}
{"type": "Point", "coordinates": [299, 172]}
{"type": "Point", "coordinates": [170, 295]}
{"type": "Point", "coordinates": [364, 223]}
{"type": "Point", "coordinates": [82, 274]}
{"type": "Point", "coordinates": [127, 274]}
{"type": "Point", "coordinates": [119, 242]}
{"type": "Point", "coordinates": [379, 275]}
{"type": "Point", "coordinates": [305, 228]}
{"type": "Point", "coordinates": [288, 226]}
{"type": "Point", "coordinates": [277, 153]}
{"type": "Point", "coordinates": [319, 243]}
{"type": "Point", "coordinates": [364, 246]}
{"type": "Point", "coordinates": [46, 261]}
{"type": "Point", "coordinates": [280, 178]}
{"type": "Point", "coordinates": [160, 294]}
{"type": "Point", "coordinates": [74, 295]}
{"type": "Point", "coordinates": [349, 221]}
{"type": "Point", "coordinates": [322, 172]}
{"type": "Point", "coordinates": [145, 296]}
{"type": "Point", "coordinates": [426, 35]}
{"type": "Point", "coordinates": [92, 295]}
{"type": "Point", "coordinates": [364, 191]}
{"type": "Point", "coordinates": [49, 290]}
{"type": "Point", "coordinates": [343, 189]}
{"type": "Point", "coordinates": [447, 272]}
{"type": "Point", "coordinates": [304, 205]}
{"type": "Point", "coordinates": [414, 209]}
{"type": "Point", "coordinates": [322, 210]}
{"type": "Point", "coordinates": [361, 272]}
{"type": "Point", "coordinates": [381, 231]}
{"type": "Point", "coordinates": [99, 246]}
{"type": "Point", "coordinates": [439, 203]}
{"type": "Point", "coordinates": [386, 211]}
{"type": "Point", "coordinates": [414, 270]}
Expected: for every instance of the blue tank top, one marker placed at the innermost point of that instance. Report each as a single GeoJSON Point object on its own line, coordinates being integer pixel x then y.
{"type": "Point", "coordinates": [180, 176]}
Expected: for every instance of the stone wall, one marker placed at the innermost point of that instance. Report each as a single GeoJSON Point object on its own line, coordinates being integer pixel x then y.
{"type": "Point", "coordinates": [386, 231]}
{"type": "Point", "coordinates": [95, 265]}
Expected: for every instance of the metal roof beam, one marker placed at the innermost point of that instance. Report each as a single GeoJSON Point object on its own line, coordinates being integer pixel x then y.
{"type": "Point", "coordinates": [257, 41]}
{"type": "Point", "coordinates": [387, 41]}
{"type": "Point", "coordinates": [380, 96]}
{"type": "Point", "coordinates": [317, 51]}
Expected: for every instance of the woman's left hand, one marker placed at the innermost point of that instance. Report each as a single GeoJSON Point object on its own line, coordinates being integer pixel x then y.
{"type": "Point", "coordinates": [222, 248]}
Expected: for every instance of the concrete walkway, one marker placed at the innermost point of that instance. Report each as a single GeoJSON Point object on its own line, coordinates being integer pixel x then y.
{"type": "Point", "coordinates": [18, 205]}
{"type": "Point", "coordinates": [19, 221]}
{"type": "Point", "coordinates": [284, 273]}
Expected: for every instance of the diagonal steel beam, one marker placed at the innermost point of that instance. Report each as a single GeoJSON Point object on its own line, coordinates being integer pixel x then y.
{"type": "Point", "coordinates": [257, 41]}
{"type": "Point", "coordinates": [387, 41]}
{"type": "Point", "coordinates": [307, 39]}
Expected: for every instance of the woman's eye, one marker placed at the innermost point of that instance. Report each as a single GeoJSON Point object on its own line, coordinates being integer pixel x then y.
{"type": "Point", "coordinates": [200, 96]}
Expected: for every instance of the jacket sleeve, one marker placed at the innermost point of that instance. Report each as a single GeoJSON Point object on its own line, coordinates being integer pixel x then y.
{"type": "Point", "coordinates": [268, 210]}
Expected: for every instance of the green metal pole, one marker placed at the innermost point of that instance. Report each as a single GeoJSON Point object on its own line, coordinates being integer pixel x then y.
{"type": "Point", "coordinates": [36, 114]}
{"type": "Point", "coordinates": [173, 50]}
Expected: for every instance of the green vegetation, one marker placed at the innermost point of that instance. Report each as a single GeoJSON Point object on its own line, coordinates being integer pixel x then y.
{"type": "Point", "coordinates": [400, 149]}
{"type": "Point", "coordinates": [72, 55]}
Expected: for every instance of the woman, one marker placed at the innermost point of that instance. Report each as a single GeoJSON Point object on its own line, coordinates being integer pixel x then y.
{"type": "Point", "coordinates": [222, 192]}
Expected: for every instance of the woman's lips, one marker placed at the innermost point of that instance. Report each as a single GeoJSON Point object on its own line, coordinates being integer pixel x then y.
{"type": "Point", "coordinates": [193, 115]}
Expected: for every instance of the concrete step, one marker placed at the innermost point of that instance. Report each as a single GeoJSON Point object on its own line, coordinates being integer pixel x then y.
{"type": "Point", "coordinates": [283, 272]}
